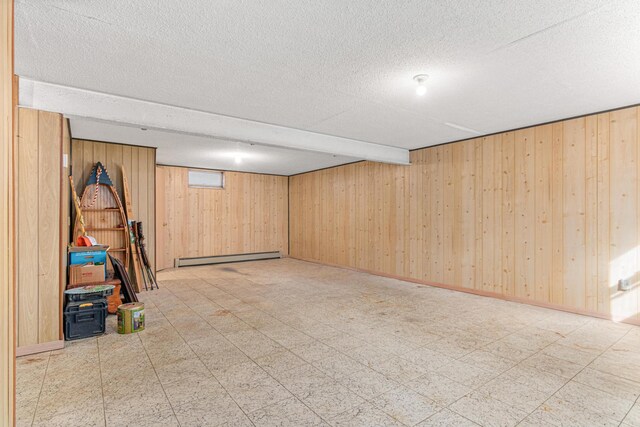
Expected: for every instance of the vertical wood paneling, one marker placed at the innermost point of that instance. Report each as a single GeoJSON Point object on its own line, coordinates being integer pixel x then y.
{"type": "Point", "coordinates": [508, 213]}
{"type": "Point", "coordinates": [603, 226]}
{"type": "Point", "coordinates": [27, 210]}
{"type": "Point", "coordinates": [49, 176]}
{"type": "Point", "coordinates": [249, 215]}
{"type": "Point", "coordinates": [549, 214]}
{"type": "Point", "coordinates": [591, 213]}
{"type": "Point", "coordinates": [39, 222]}
{"type": "Point", "coordinates": [525, 213]}
{"type": "Point", "coordinates": [557, 214]}
{"type": "Point", "coordinates": [8, 101]}
{"type": "Point", "coordinates": [623, 218]}
{"type": "Point", "coordinates": [574, 212]}
{"type": "Point", "coordinates": [543, 216]}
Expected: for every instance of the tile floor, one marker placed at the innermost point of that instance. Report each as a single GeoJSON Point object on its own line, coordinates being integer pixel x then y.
{"type": "Point", "coordinates": [286, 342]}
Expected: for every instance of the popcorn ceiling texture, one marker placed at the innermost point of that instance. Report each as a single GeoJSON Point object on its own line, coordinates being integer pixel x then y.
{"type": "Point", "coordinates": [345, 68]}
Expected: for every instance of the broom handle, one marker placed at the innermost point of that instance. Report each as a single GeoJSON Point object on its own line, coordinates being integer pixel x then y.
{"type": "Point", "coordinates": [76, 202]}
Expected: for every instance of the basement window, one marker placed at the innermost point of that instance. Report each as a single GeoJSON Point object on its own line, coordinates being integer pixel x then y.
{"type": "Point", "coordinates": [206, 179]}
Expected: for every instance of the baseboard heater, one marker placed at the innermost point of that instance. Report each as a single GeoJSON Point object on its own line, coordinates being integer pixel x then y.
{"type": "Point", "coordinates": [222, 259]}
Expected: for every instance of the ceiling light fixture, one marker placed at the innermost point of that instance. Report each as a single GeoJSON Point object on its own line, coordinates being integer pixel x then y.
{"type": "Point", "coordinates": [421, 79]}
{"type": "Point", "coordinates": [238, 159]}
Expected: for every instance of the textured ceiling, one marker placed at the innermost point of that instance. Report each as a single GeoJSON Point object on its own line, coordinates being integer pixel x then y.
{"type": "Point", "coordinates": [345, 68]}
{"type": "Point", "coordinates": [178, 149]}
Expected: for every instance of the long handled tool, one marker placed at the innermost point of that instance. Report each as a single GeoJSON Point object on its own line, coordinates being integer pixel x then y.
{"type": "Point", "coordinates": [136, 243]}
{"type": "Point", "coordinates": [143, 254]}
{"type": "Point", "coordinates": [138, 276]}
{"type": "Point", "coordinates": [83, 239]}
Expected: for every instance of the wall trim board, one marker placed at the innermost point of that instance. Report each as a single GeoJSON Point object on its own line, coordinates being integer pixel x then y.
{"type": "Point", "coordinates": [39, 348]}
{"type": "Point", "coordinates": [477, 292]}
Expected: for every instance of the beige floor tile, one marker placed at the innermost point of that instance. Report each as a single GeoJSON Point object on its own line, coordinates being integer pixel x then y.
{"type": "Point", "coordinates": [633, 417]}
{"type": "Point", "coordinates": [81, 418]}
{"type": "Point", "coordinates": [330, 399]}
{"type": "Point", "coordinates": [253, 343]}
{"type": "Point", "coordinates": [212, 411]}
{"type": "Point", "coordinates": [287, 412]}
{"type": "Point", "coordinates": [313, 351]}
{"type": "Point", "coordinates": [438, 388]}
{"type": "Point", "coordinates": [572, 354]}
{"type": "Point", "coordinates": [447, 418]}
{"type": "Point", "coordinates": [597, 401]}
{"type": "Point", "coordinates": [233, 324]}
{"type": "Point", "coordinates": [137, 405]}
{"type": "Point", "coordinates": [338, 366]}
{"type": "Point", "coordinates": [364, 415]}
{"type": "Point", "coordinates": [279, 362]}
{"type": "Point", "coordinates": [486, 411]}
{"type": "Point", "coordinates": [464, 373]}
{"type": "Point", "coordinates": [406, 405]}
{"type": "Point", "coordinates": [612, 384]}
{"type": "Point", "coordinates": [301, 379]}
{"type": "Point", "coordinates": [343, 342]}
{"type": "Point", "coordinates": [191, 388]}
{"type": "Point", "coordinates": [488, 361]}
{"type": "Point", "coordinates": [544, 382]}
{"type": "Point", "coordinates": [427, 358]}
{"type": "Point", "coordinates": [398, 369]}
{"type": "Point", "coordinates": [516, 394]}
{"type": "Point", "coordinates": [553, 365]}
{"type": "Point", "coordinates": [256, 392]}
{"type": "Point", "coordinates": [368, 383]}
{"type": "Point", "coordinates": [286, 336]}
{"type": "Point", "coordinates": [369, 355]}
{"type": "Point", "coordinates": [560, 412]}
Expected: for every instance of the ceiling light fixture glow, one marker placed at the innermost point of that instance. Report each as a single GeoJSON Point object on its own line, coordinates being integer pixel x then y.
{"type": "Point", "coordinates": [238, 159]}
{"type": "Point", "coordinates": [421, 80]}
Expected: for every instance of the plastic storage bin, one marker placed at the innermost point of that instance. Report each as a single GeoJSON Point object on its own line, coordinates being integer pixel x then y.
{"type": "Point", "coordinates": [89, 292]}
{"type": "Point", "coordinates": [85, 319]}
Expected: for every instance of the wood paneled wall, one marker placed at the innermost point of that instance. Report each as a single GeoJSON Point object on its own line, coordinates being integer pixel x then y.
{"type": "Point", "coordinates": [8, 101]}
{"type": "Point", "coordinates": [248, 215]}
{"type": "Point", "coordinates": [38, 211]}
{"type": "Point", "coordinates": [140, 166]}
{"type": "Point", "coordinates": [548, 215]}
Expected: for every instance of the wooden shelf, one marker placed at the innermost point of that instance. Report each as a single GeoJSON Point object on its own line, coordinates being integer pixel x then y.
{"type": "Point", "coordinates": [101, 210]}
{"type": "Point", "coordinates": [117, 250]}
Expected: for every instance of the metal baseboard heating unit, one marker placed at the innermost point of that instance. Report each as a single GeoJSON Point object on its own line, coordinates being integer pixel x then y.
{"type": "Point", "coordinates": [222, 259]}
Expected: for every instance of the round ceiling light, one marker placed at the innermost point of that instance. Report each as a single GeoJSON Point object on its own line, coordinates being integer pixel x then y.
{"type": "Point", "coordinates": [421, 87]}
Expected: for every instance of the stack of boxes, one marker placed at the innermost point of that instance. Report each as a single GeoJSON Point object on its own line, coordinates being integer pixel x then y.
{"type": "Point", "coordinates": [87, 264]}
{"type": "Point", "coordinates": [85, 315]}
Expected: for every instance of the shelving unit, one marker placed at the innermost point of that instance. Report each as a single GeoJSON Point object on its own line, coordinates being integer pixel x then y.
{"type": "Point", "coordinates": [104, 215]}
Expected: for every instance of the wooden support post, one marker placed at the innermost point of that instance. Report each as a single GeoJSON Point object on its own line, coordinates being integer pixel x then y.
{"type": "Point", "coordinates": [8, 100]}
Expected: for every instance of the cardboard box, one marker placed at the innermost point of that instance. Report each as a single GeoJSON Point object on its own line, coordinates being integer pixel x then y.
{"type": "Point", "coordinates": [87, 273]}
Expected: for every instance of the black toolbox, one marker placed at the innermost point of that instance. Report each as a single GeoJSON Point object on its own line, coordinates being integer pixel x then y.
{"type": "Point", "coordinates": [84, 319]}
